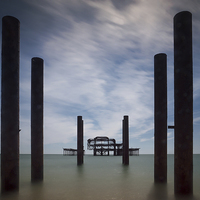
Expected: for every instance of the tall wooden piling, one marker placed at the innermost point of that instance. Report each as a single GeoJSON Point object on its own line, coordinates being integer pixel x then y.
{"type": "Point", "coordinates": [10, 104]}
{"type": "Point", "coordinates": [183, 93]}
{"type": "Point", "coordinates": [160, 118]}
{"type": "Point", "coordinates": [80, 150]}
{"type": "Point", "coordinates": [37, 119]}
{"type": "Point", "coordinates": [125, 141]}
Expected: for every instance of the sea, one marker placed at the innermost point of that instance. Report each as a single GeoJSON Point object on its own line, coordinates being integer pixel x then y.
{"type": "Point", "coordinates": [99, 178]}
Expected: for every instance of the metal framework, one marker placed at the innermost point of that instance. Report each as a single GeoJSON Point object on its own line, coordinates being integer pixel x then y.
{"type": "Point", "coordinates": [69, 152]}
{"type": "Point", "coordinates": [102, 145]}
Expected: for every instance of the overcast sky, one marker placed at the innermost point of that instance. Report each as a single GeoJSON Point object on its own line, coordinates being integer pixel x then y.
{"type": "Point", "coordinates": [98, 63]}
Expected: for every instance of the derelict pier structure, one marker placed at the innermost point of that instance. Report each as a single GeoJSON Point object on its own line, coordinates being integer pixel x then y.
{"type": "Point", "coordinates": [103, 146]}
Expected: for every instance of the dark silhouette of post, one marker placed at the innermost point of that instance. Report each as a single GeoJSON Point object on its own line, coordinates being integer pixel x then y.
{"type": "Point", "coordinates": [37, 119]}
{"type": "Point", "coordinates": [79, 140]}
{"type": "Point", "coordinates": [95, 148]}
{"type": "Point", "coordinates": [10, 104]}
{"type": "Point", "coordinates": [160, 118]}
{"type": "Point", "coordinates": [125, 141]}
{"type": "Point", "coordinates": [183, 93]}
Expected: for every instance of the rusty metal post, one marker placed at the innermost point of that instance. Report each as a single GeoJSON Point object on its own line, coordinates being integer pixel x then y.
{"type": "Point", "coordinates": [160, 118]}
{"type": "Point", "coordinates": [125, 141]}
{"type": "Point", "coordinates": [79, 140]}
{"type": "Point", "coordinates": [37, 119]}
{"type": "Point", "coordinates": [10, 104]}
{"type": "Point", "coordinates": [183, 93]}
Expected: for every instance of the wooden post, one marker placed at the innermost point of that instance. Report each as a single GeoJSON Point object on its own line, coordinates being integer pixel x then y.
{"type": "Point", "coordinates": [79, 140]}
{"type": "Point", "coordinates": [95, 149]}
{"type": "Point", "coordinates": [183, 109]}
{"type": "Point", "coordinates": [10, 104]}
{"type": "Point", "coordinates": [108, 148]}
{"type": "Point", "coordinates": [123, 141]}
{"type": "Point", "coordinates": [126, 141]}
{"type": "Point", "coordinates": [36, 119]}
{"type": "Point", "coordinates": [160, 118]}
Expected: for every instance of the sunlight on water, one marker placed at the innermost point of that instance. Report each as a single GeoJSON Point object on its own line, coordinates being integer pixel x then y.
{"type": "Point", "coordinates": [99, 178]}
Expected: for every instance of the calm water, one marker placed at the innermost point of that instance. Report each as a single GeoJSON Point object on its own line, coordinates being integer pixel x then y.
{"type": "Point", "coordinates": [98, 179]}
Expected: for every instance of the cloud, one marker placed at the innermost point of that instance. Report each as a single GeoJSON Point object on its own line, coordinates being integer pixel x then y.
{"type": "Point", "coordinates": [196, 120]}
{"type": "Point", "coordinates": [152, 138]}
{"type": "Point", "coordinates": [98, 59]}
{"type": "Point", "coordinates": [101, 69]}
{"type": "Point", "coordinates": [146, 139]}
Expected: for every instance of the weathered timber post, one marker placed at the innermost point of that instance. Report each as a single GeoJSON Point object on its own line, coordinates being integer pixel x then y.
{"type": "Point", "coordinates": [115, 148]}
{"type": "Point", "coordinates": [79, 140]}
{"type": "Point", "coordinates": [183, 93]}
{"type": "Point", "coordinates": [10, 104]}
{"type": "Point", "coordinates": [160, 118]}
{"type": "Point", "coordinates": [108, 148]}
{"type": "Point", "coordinates": [37, 119]}
{"type": "Point", "coordinates": [95, 149]}
{"type": "Point", "coordinates": [125, 141]}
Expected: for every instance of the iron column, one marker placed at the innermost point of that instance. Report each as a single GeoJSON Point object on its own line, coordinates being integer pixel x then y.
{"type": "Point", "coordinates": [37, 119]}
{"type": "Point", "coordinates": [10, 104]}
{"type": "Point", "coordinates": [125, 141]}
{"type": "Point", "coordinates": [160, 118]}
{"type": "Point", "coordinates": [183, 93]}
{"type": "Point", "coordinates": [79, 140]}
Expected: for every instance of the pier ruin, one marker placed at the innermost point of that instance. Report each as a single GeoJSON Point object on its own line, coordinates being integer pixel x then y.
{"type": "Point", "coordinates": [105, 146]}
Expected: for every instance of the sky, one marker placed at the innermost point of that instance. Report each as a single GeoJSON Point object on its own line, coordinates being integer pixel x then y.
{"type": "Point", "coordinates": [99, 64]}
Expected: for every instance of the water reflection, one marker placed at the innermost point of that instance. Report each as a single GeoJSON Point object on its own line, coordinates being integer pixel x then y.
{"type": "Point", "coordinates": [36, 191]}
{"type": "Point", "coordinates": [29, 190]}
{"type": "Point", "coordinates": [158, 192]}
{"type": "Point", "coordinates": [125, 171]}
{"type": "Point", "coordinates": [183, 197]}
{"type": "Point", "coordinates": [9, 195]}
{"type": "Point", "coordinates": [100, 178]}
{"type": "Point", "coordinates": [80, 171]}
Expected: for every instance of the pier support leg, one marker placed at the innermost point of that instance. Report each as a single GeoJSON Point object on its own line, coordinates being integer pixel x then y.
{"type": "Point", "coordinates": [79, 140]}
{"type": "Point", "coordinates": [125, 141]}
{"type": "Point", "coordinates": [36, 119]}
{"type": "Point", "coordinates": [160, 118]}
{"type": "Point", "coordinates": [10, 105]}
{"type": "Point", "coordinates": [183, 93]}
{"type": "Point", "coordinates": [95, 149]}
